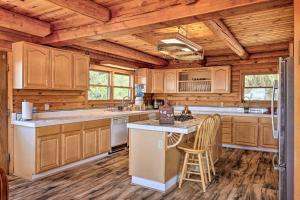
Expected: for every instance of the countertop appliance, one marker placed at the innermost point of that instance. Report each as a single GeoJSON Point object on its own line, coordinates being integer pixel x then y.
{"type": "Point", "coordinates": [157, 103]}
{"type": "Point", "coordinates": [119, 131]}
{"type": "Point", "coordinates": [285, 127]}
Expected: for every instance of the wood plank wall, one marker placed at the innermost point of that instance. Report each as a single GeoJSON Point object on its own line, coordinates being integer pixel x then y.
{"type": "Point", "coordinates": [261, 62]}
{"type": "Point", "coordinates": [297, 98]}
{"type": "Point", "coordinates": [58, 100]}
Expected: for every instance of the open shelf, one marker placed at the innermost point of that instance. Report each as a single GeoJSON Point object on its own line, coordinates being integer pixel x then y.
{"type": "Point", "coordinates": [195, 81]}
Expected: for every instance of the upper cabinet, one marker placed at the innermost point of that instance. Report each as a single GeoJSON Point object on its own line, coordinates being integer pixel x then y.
{"type": "Point", "coordinates": [81, 71]}
{"type": "Point", "coordinates": [62, 69]}
{"type": "Point", "coordinates": [157, 81]}
{"type": "Point", "coordinates": [221, 79]}
{"type": "Point", "coordinates": [143, 76]}
{"type": "Point", "coordinates": [40, 67]}
{"type": "Point", "coordinates": [31, 66]}
{"type": "Point", "coordinates": [170, 81]}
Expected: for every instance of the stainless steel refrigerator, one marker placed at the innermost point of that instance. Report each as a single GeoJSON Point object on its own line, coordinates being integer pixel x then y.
{"type": "Point", "coordinates": [284, 130]}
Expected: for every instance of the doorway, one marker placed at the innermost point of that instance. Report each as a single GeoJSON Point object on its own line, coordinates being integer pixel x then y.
{"type": "Point", "coordinates": [3, 113]}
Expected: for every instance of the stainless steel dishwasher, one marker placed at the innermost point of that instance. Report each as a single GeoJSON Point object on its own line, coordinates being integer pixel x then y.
{"type": "Point", "coordinates": [119, 131]}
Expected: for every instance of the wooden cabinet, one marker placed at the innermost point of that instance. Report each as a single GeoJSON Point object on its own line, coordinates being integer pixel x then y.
{"type": "Point", "coordinates": [40, 67]}
{"type": "Point", "coordinates": [62, 69]}
{"type": "Point", "coordinates": [71, 143]}
{"type": "Point", "coordinates": [81, 71]}
{"type": "Point", "coordinates": [31, 65]}
{"type": "Point", "coordinates": [221, 79]}
{"type": "Point", "coordinates": [245, 133]}
{"type": "Point", "coordinates": [157, 81]}
{"type": "Point", "coordinates": [266, 138]}
{"type": "Point", "coordinates": [104, 140]}
{"type": "Point", "coordinates": [48, 153]}
{"type": "Point", "coordinates": [226, 128]}
{"type": "Point", "coordinates": [143, 76]}
{"type": "Point", "coordinates": [90, 147]}
{"type": "Point", "coordinates": [170, 81]}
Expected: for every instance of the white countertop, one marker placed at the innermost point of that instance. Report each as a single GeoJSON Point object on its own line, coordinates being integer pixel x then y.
{"type": "Point", "coordinates": [64, 117]}
{"type": "Point", "coordinates": [178, 127]}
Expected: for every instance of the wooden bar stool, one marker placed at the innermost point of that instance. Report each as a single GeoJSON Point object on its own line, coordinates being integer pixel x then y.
{"type": "Point", "coordinates": [197, 154]}
{"type": "Point", "coordinates": [3, 185]}
{"type": "Point", "coordinates": [217, 124]}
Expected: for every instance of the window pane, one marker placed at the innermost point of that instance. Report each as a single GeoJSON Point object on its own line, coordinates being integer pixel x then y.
{"type": "Point", "coordinates": [98, 78]}
{"type": "Point", "coordinates": [98, 93]}
{"type": "Point", "coordinates": [121, 80]}
{"type": "Point", "coordinates": [265, 80]}
{"type": "Point", "coordinates": [120, 93]}
{"type": "Point", "coordinates": [259, 94]}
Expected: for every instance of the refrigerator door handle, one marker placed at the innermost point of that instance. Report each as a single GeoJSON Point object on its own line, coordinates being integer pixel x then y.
{"type": "Point", "coordinates": [274, 131]}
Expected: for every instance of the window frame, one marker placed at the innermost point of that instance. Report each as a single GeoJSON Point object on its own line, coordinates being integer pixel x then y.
{"type": "Point", "coordinates": [243, 75]}
{"type": "Point", "coordinates": [111, 72]}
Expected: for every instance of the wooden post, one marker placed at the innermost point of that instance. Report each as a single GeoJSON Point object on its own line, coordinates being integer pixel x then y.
{"type": "Point", "coordinates": [297, 98]}
{"type": "Point", "coordinates": [3, 113]}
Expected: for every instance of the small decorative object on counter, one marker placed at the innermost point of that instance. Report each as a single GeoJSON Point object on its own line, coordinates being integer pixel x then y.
{"type": "Point", "coordinates": [186, 110]}
{"type": "Point", "coordinates": [26, 110]}
{"type": "Point", "coordinates": [166, 114]}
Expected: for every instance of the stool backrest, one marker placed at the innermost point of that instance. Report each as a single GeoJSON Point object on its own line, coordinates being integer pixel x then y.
{"type": "Point", "coordinates": [217, 125]}
{"type": "Point", "coordinates": [204, 133]}
{"type": "Point", "coordinates": [3, 185]}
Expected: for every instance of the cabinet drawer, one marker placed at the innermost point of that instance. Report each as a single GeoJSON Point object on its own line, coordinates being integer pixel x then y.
{"type": "Point", "coordinates": [246, 119]}
{"type": "Point", "coordinates": [71, 127]}
{"type": "Point", "coordinates": [133, 118]}
{"type": "Point", "coordinates": [226, 124]}
{"type": "Point", "coordinates": [226, 118]}
{"type": "Point", "coordinates": [144, 117]}
{"type": "Point", "coordinates": [267, 120]}
{"type": "Point", "coordinates": [96, 123]}
{"type": "Point", "coordinates": [47, 130]}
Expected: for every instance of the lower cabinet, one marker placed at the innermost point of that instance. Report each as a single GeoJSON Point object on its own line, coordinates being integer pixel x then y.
{"type": "Point", "coordinates": [90, 142]}
{"type": "Point", "coordinates": [71, 147]}
{"type": "Point", "coordinates": [48, 152]}
{"type": "Point", "coordinates": [104, 140]}
{"type": "Point", "coordinates": [245, 134]}
{"type": "Point", "coordinates": [266, 137]}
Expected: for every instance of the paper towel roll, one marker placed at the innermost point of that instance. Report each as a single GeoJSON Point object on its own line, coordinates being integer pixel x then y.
{"type": "Point", "coordinates": [26, 110]}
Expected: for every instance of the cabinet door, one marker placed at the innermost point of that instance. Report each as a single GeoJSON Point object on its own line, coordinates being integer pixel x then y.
{"type": "Point", "coordinates": [36, 67]}
{"type": "Point", "coordinates": [144, 117]}
{"type": "Point", "coordinates": [90, 142]}
{"type": "Point", "coordinates": [157, 81]}
{"type": "Point", "coordinates": [48, 153]}
{"type": "Point", "coordinates": [62, 69]}
{"type": "Point", "coordinates": [104, 140]}
{"type": "Point", "coordinates": [81, 71]}
{"type": "Point", "coordinates": [170, 81]}
{"type": "Point", "coordinates": [221, 79]}
{"type": "Point", "coordinates": [266, 138]}
{"type": "Point", "coordinates": [71, 147]}
{"type": "Point", "coordinates": [245, 133]}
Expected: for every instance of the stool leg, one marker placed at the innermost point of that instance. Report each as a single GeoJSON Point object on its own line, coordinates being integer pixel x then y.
{"type": "Point", "coordinates": [202, 173]}
{"type": "Point", "coordinates": [212, 163]}
{"type": "Point", "coordinates": [208, 165]}
{"type": "Point", "coordinates": [183, 172]}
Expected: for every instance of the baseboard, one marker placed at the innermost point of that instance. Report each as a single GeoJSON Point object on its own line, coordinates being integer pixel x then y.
{"type": "Point", "coordinates": [162, 187]}
{"type": "Point", "coordinates": [250, 148]}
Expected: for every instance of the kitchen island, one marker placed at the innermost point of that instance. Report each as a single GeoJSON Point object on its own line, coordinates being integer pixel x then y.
{"type": "Point", "coordinates": [153, 157]}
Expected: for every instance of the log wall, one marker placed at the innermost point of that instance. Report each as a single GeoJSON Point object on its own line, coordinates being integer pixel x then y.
{"type": "Point", "coordinates": [259, 62]}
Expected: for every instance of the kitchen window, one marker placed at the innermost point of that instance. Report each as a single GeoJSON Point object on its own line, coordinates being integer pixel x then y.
{"type": "Point", "coordinates": [258, 87]}
{"type": "Point", "coordinates": [109, 85]}
{"type": "Point", "coordinates": [121, 86]}
{"type": "Point", "coordinates": [99, 86]}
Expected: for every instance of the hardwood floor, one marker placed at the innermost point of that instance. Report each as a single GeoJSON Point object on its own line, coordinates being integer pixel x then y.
{"type": "Point", "coordinates": [242, 174]}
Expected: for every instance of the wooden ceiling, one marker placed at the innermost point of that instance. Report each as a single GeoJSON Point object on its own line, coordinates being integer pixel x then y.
{"type": "Point", "coordinates": [132, 29]}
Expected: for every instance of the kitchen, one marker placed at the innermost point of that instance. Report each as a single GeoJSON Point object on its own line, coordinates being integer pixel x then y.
{"type": "Point", "coordinates": [104, 99]}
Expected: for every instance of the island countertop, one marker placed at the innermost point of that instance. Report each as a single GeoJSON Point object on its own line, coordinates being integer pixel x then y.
{"type": "Point", "coordinates": [178, 127]}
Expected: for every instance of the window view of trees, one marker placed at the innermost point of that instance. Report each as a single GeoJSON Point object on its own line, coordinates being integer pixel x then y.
{"type": "Point", "coordinates": [101, 87]}
{"type": "Point", "coordinates": [259, 87]}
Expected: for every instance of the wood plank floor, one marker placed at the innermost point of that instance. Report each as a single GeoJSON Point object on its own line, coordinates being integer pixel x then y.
{"type": "Point", "coordinates": [242, 174]}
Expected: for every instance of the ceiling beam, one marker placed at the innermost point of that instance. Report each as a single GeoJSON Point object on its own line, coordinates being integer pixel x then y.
{"type": "Point", "coordinates": [23, 23]}
{"type": "Point", "coordinates": [138, 20]}
{"type": "Point", "coordinates": [87, 8]}
{"type": "Point", "coordinates": [221, 30]}
{"type": "Point", "coordinates": [120, 50]}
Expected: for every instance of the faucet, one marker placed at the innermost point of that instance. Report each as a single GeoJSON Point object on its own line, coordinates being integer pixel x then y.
{"type": "Point", "coordinates": [123, 99]}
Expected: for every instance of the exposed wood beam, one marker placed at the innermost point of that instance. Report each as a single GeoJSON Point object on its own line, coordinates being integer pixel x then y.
{"type": "Point", "coordinates": [138, 21]}
{"type": "Point", "coordinates": [23, 23]}
{"type": "Point", "coordinates": [15, 37]}
{"type": "Point", "coordinates": [120, 50]}
{"type": "Point", "coordinates": [85, 7]}
{"type": "Point", "coordinates": [221, 30]}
